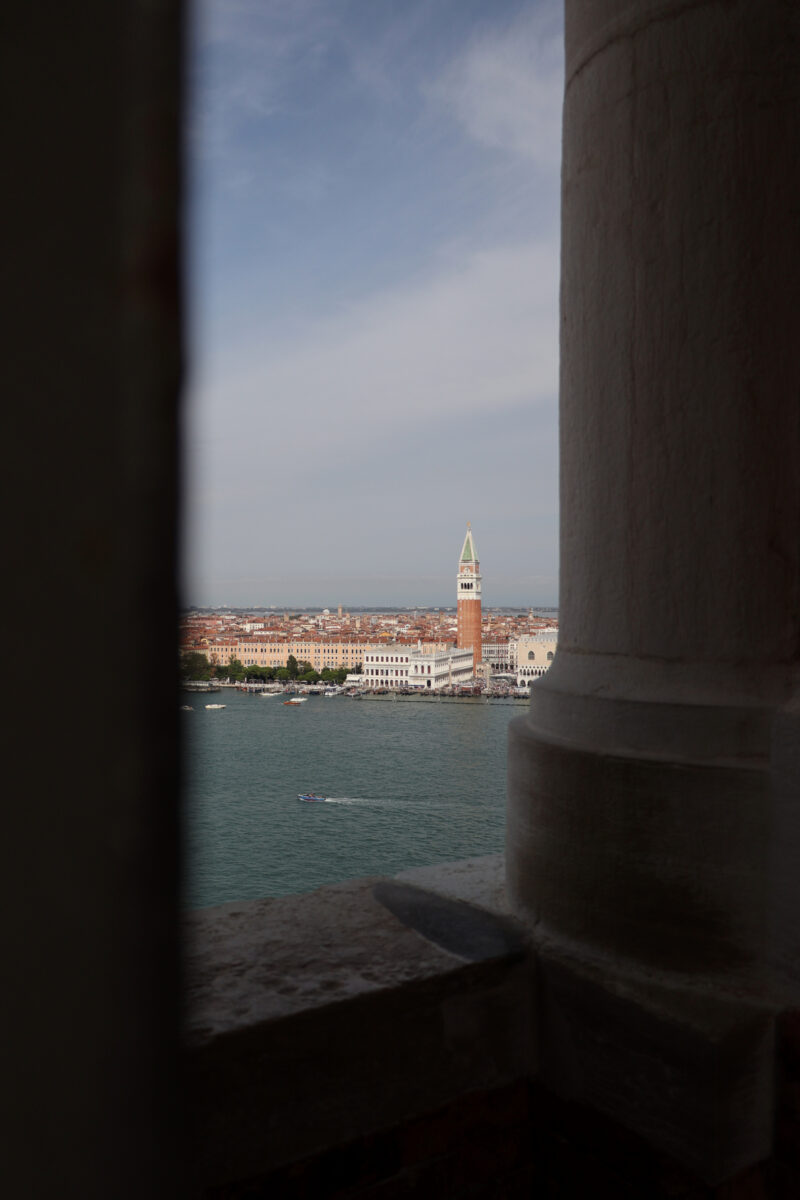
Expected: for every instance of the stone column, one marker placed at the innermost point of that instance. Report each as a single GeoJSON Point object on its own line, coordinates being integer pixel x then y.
{"type": "Point", "coordinates": [641, 821]}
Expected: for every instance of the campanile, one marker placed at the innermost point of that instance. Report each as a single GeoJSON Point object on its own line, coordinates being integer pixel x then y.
{"type": "Point", "coordinates": [469, 598]}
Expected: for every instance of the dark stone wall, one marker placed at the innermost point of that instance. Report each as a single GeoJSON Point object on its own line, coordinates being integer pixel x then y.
{"type": "Point", "coordinates": [520, 1142]}
{"type": "Point", "coordinates": [89, 380]}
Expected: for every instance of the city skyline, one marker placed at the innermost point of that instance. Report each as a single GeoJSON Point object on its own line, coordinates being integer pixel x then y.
{"type": "Point", "coordinates": [373, 274]}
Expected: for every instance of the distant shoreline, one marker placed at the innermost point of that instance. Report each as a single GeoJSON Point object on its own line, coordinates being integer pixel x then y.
{"type": "Point", "coordinates": [377, 610]}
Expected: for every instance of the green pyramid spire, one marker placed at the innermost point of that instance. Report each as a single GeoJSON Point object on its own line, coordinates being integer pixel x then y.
{"type": "Point", "coordinates": [468, 553]}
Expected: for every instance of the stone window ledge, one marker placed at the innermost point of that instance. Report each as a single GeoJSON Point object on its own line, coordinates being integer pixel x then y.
{"type": "Point", "coordinates": [316, 1019]}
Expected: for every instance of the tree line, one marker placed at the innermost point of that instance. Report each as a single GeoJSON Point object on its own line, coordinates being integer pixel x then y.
{"type": "Point", "coordinates": [195, 666]}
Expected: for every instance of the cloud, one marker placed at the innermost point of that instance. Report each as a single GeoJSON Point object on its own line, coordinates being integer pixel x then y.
{"type": "Point", "coordinates": [506, 88]}
{"type": "Point", "coordinates": [476, 336]}
{"type": "Point", "coordinates": [377, 317]}
{"type": "Point", "coordinates": [244, 60]}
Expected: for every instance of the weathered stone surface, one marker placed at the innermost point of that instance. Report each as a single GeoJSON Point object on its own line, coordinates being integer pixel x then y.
{"type": "Point", "coordinates": [478, 881]}
{"type": "Point", "coordinates": [314, 1019]}
{"type": "Point", "coordinates": [689, 1069]}
{"type": "Point", "coordinates": [263, 960]}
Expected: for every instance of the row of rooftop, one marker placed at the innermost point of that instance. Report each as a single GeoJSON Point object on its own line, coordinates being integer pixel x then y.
{"type": "Point", "coordinates": [206, 627]}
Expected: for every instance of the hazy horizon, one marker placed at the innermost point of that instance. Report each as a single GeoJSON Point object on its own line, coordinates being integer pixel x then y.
{"type": "Point", "coordinates": [362, 608]}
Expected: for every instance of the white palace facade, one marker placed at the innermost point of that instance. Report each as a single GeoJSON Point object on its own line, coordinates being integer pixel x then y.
{"type": "Point", "coordinates": [398, 666]}
{"type": "Point", "coordinates": [534, 653]}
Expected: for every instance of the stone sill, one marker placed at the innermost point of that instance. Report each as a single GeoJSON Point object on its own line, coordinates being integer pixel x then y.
{"type": "Point", "coordinates": [316, 1019]}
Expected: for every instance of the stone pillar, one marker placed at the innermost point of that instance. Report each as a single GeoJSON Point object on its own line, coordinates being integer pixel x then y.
{"type": "Point", "coordinates": [641, 820]}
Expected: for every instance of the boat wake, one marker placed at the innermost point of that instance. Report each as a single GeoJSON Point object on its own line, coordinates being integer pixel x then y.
{"type": "Point", "coordinates": [381, 802]}
{"type": "Point", "coordinates": [348, 800]}
{"type": "Point", "coordinates": [378, 802]}
{"type": "Point", "coordinates": [344, 800]}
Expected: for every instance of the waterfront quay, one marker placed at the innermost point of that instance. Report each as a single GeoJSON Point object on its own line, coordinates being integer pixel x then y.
{"type": "Point", "coordinates": [516, 646]}
{"type": "Point", "coordinates": [475, 694]}
{"type": "Point", "coordinates": [517, 696]}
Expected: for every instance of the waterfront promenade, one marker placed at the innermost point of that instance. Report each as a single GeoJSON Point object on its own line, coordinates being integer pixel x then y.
{"type": "Point", "coordinates": [517, 695]}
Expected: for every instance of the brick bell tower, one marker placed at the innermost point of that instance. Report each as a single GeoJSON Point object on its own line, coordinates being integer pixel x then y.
{"type": "Point", "coordinates": [469, 599]}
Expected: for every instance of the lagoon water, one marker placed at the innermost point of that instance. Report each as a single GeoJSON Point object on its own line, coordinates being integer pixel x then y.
{"type": "Point", "coordinates": [410, 782]}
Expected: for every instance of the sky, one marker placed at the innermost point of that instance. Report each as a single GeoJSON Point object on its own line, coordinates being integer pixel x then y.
{"type": "Point", "coordinates": [373, 249]}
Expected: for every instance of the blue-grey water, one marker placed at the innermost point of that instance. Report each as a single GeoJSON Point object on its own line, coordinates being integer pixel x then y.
{"type": "Point", "coordinates": [409, 783]}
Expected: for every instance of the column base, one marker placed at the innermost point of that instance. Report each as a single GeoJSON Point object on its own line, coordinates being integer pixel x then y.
{"type": "Point", "coordinates": [691, 1072]}
{"type": "Point", "coordinates": [639, 823]}
{"type": "Point", "coordinates": [638, 847]}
